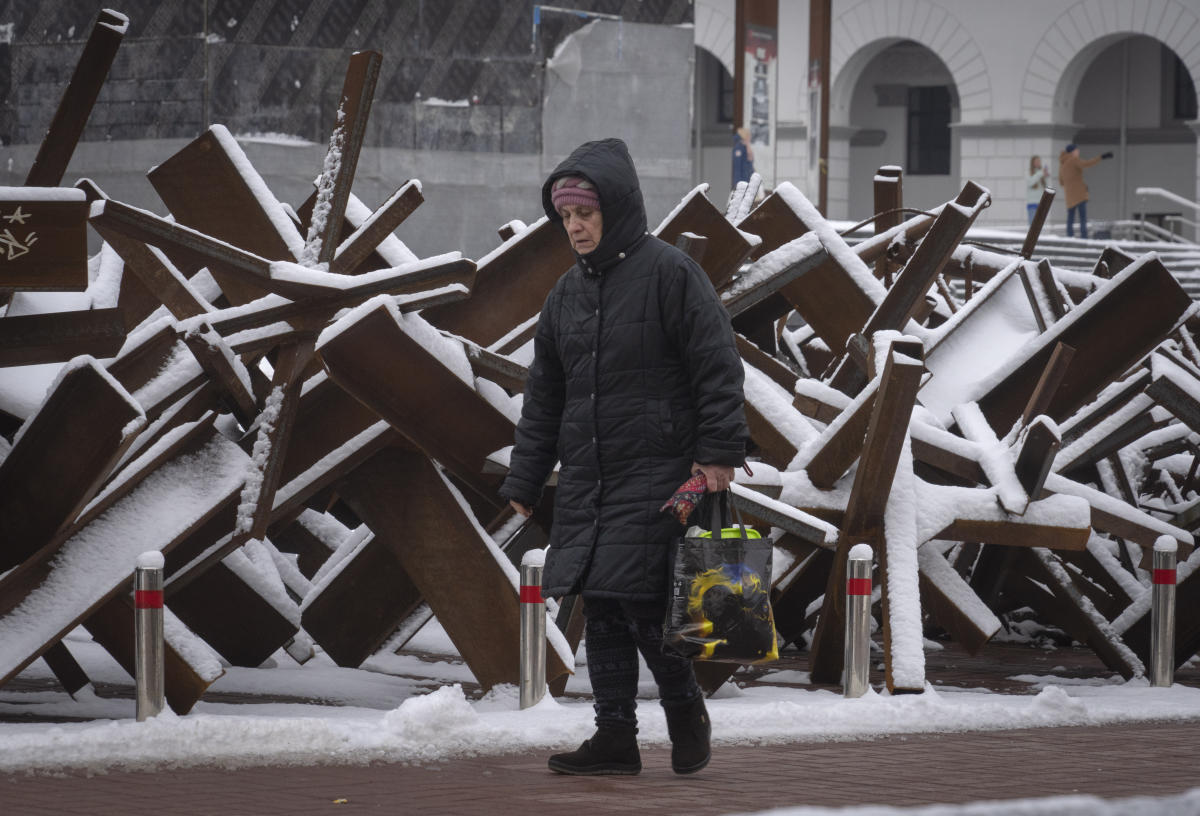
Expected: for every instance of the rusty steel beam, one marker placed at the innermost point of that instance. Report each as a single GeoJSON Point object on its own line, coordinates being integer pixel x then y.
{"type": "Point", "coordinates": [56, 337]}
{"type": "Point", "coordinates": [439, 547]}
{"type": "Point", "coordinates": [209, 187]}
{"type": "Point", "coordinates": [406, 384]}
{"type": "Point", "coordinates": [64, 455]}
{"type": "Point", "coordinates": [354, 109]}
{"type": "Point", "coordinates": [863, 520]}
{"type": "Point", "coordinates": [354, 250]}
{"type": "Point", "coordinates": [1035, 227]}
{"type": "Point", "coordinates": [511, 285]}
{"type": "Point", "coordinates": [91, 69]}
{"type": "Point", "coordinates": [1118, 325]}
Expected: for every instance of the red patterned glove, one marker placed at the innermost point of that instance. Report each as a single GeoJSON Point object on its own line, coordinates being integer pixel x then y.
{"type": "Point", "coordinates": [684, 500]}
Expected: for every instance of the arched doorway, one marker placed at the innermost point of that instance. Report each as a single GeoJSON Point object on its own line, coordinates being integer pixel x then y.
{"type": "Point", "coordinates": [712, 123]}
{"type": "Point", "coordinates": [903, 103]}
{"type": "Point", "coordinates": [1132, 95]}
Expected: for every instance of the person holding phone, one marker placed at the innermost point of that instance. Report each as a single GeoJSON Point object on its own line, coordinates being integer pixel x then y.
{"type": "Point", "coordinates": [1070, 175]}
{"type": "Point", "coordinates": [1035, 184]}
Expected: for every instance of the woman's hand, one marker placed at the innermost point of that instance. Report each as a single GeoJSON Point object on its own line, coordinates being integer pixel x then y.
{"type": "Point", "coordinates": [520, 508]}
{"type": "Point", "coordinates": [719, 477]}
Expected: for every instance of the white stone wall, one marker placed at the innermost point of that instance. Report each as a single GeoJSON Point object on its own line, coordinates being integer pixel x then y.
{"type": "Point", "coordinates": [791, 161]}
{"type": "Point", "coordinates": [837, 194]}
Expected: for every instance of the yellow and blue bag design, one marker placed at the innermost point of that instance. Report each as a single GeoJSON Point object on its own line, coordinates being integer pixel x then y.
{"type": "Point", "coordinates": [720, 606]}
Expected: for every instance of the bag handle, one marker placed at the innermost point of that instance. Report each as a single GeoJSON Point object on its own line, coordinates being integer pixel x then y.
{"type": "Point", "coordinates": [721, 505]}
{"type": "Point", "coordinates": [717, 521]}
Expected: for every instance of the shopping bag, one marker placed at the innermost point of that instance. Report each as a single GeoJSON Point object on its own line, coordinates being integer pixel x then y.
{"type": "Point", "coordinates": [719, 607]}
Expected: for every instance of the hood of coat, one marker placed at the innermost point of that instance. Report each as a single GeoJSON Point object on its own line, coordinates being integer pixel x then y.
{"type": "Point", "coordinates": [607, 164]}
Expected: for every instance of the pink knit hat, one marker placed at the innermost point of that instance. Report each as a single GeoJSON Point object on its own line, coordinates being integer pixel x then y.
{"type": "Point", "coordinates": [574, 190]}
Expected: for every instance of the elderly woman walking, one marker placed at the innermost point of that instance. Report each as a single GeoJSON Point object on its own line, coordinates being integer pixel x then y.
{"type": "Point", "coordinates": [635, 385]}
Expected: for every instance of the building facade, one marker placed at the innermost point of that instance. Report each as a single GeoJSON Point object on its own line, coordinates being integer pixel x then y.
{"type": "Point", "coordinates": [972, 89]}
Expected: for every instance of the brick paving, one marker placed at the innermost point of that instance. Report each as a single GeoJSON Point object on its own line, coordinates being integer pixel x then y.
{"type": "Point", "coordinates": [899, 770]}
{"type": "Point", "coordinates": [1110, 762]}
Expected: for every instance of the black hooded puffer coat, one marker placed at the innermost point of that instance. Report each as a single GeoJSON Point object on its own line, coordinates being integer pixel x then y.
{"type": "Point", "coordinates": [635, 375]}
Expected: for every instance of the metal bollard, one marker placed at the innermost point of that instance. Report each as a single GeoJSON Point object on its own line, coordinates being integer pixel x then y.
{"type": "Point", "coordinates": [1162, 613]}
{"type": "Point", "coordinates": [857, 659]}
{"type": "Point", "coordinates": [148, 634]}
{"type": "Point", "coordinates": [533, 629]}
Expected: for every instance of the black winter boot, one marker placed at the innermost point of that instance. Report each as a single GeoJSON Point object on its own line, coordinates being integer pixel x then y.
{"type": "Point", "coordinates": [688, 725]}
{"type": "Point", "coordinates": [609, 751]}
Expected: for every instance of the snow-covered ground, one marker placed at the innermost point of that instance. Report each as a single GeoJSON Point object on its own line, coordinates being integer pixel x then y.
{"type": "Point", "coordinates": [412, 708]}
{"type": "Point", "coordinates": [1184, 804]}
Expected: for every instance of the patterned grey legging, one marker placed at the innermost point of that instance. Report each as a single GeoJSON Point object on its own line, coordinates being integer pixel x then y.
{"type": "Point", "coordinates": [615, 632]}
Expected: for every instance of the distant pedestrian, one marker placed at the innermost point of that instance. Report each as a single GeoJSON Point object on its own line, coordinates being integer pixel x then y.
{"type": "Point", "coordinates": [1070, 175]}
{"type": "Point", "coordinates": [743, 156]}
{"type": "Point", "coordinates": [1035, 185]}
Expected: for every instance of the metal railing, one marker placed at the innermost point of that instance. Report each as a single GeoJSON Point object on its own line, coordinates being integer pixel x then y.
{"type": "Point", "coordinates": [1179, 219]}
{"type": "Point", "coordinates": [1146, 192]}
{"type": "Point", "coordinates": [1143, 230]}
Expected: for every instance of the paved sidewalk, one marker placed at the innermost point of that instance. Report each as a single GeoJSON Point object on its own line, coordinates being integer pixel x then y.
{"type": "Point", "coordinates": [1110, 762]}
{"type": "Point", "coordinates": [1147, 759]}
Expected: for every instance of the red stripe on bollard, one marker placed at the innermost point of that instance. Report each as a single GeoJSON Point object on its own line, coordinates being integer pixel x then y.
{"type": "Point", "coordinates": [531, 594]}
{"type": "Point", "coordinates": [858, 586]}
{"type": "Point", "coordinates": [148, 599]}
{"type": "Point", "coordinates": [1164, 576]}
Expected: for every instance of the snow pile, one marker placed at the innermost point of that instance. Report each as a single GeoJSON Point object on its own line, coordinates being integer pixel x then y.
{"type": "Point", "coordinates": [386, 717]}
{"type": "Point", "coordinates": [1184, 804]}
